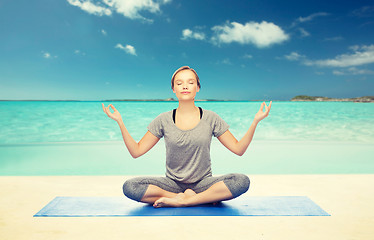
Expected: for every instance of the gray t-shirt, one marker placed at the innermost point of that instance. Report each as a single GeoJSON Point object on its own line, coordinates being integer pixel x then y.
{"type": "Point", "coordinates": [188, 151]}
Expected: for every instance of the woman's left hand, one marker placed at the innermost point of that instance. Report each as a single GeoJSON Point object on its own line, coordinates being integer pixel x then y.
{"type": "Point", "coordinates": [261, 114]}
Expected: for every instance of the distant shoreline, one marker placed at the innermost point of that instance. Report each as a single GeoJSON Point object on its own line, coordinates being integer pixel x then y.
{"type": "Point", "coordinates": [299, 98]}
{"type": "Point", "coordinates": [305, 98]}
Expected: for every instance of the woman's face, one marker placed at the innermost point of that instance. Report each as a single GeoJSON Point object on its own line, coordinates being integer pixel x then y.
{"type": "Point", "coordinates": [185, 85]}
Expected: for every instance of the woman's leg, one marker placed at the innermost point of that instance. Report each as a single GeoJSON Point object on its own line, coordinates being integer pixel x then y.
{"type": "Point", "coordinates": [209, 190]}
{"type": "Point", "coordinates": [149, 189]}
{"type": "Point", "coordinates": [237, 183]}
{"type": "Point", "coordinates": [154, 193]}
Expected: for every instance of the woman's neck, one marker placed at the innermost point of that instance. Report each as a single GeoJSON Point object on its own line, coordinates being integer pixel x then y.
{"type": "Point", "coordinates": [186, 107]}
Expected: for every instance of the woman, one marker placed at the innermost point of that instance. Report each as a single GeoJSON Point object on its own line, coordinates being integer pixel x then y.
{"type": "Point", "coordinates": [187, 131]}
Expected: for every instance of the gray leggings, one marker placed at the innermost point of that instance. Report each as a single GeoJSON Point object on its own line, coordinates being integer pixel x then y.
{"type": "Point", "coordinates": [135, 188]}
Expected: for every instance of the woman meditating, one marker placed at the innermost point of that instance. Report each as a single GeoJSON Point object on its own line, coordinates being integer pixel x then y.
{"type": "Point", "coordinates": [188, 132]}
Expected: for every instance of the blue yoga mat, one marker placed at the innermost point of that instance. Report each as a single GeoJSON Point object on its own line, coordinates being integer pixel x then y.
{"type": "Point", "coordinates": [121, 206]}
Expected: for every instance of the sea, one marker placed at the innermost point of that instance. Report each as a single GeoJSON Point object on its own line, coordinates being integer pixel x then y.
{"type": "Point", "coordinates": [78, 138]}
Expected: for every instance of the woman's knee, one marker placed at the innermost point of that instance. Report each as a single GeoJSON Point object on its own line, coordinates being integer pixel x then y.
{"type": "Point", "coordinates": [244, 181]}
{"type": "Point", "coordinates": [237, 184]}
{"type": "Point", "coordinates": [134, 189]}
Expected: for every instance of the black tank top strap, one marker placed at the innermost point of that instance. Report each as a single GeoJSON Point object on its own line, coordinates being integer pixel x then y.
{"type": "Point", "coordinates": [174, 111]}
{"type": "Point", "coordinates": [174, 114]}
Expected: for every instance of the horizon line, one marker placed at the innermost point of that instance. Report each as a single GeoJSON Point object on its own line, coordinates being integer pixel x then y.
{"type": "Point", "coordinates": [296, 98]}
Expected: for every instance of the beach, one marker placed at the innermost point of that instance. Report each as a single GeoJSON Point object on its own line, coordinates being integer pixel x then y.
{"type": "Point", "coordinates": [347, 198]}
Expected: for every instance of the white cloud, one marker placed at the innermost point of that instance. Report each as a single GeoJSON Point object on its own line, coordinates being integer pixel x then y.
{"type": "Point", "coordinates": [309, 18]}
{"type": "Point", "coordinates": [334, 39]}
{"type": "Point", "coordinates": [247, 56]}
{"type": "Point", "coordinates": [131, 8]}
{"type": "Point", "coordinates": [353, 71]}
{"type": "Point", "coordinates": [128, 49]}
{"type": "Point", "coordinates": [294, 56]}
{"type": "Point", "coordinates": [103, 32]}
{"type": "Point", "coordinates": [79, 52]}
{"type": "Point", "coordinates": [261, 34]}
{"type": "Point", "coordinates": [312, 16]}
{"type": "Point", "coordinates": [304, 33]}
{"type": "Point", "coordinates": [361, 55]}
{"type": "Point", "coordinates": [128, 8]}
{"type": "Point", "coordinates": [225, 61]}
{"type": "Point", "coordinates": [47, 55]}
{"type": "Point", "coordinates": [88, 6]}
{"type": "Point", "coordinates": [354, 48]}
{"type": "Point", "coordinates": [338, 72]}
{"type": "Point", "coordinates": [187, 33]}
{"type": "Point", "coordinates": [347, 63]}
{"type": "Point", "coordinates": [366, 11]}
{"type": "Point", "coordinates": [356, 71]}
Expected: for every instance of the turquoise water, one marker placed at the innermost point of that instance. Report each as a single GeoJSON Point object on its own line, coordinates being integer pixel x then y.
{"type": "Point", "coordinates": [41, 122]}
{"type": "Point", "coordinates": [77, 138]}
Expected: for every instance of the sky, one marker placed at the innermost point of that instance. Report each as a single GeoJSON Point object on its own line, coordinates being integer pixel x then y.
{"type": "Point", "coordinates": [241, 50]}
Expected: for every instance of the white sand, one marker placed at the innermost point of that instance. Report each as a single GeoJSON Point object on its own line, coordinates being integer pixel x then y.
{"type": "Point", "coordinates": [348, 198]}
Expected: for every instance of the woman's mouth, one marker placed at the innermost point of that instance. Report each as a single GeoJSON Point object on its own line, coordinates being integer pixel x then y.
{"type": "Point", "coordinates": [185, 92]}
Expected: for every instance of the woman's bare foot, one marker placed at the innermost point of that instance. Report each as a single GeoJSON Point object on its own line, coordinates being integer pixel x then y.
{"type": "Point", "coordinates": [168, 202]}
{"type": "Point", "coordinates": [177, 201]}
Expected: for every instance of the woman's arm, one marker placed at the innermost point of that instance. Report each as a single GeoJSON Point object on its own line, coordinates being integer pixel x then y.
{"type": "Point", "coordinates": [135, 149]}
{"type": "Point", "coordinates": [239, 147]}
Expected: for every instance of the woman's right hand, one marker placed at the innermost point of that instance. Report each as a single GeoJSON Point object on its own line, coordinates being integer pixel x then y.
{"type": "Point", "coordinates": [116, 116]}
{"type": "Point", "coordinates": [261, 114]}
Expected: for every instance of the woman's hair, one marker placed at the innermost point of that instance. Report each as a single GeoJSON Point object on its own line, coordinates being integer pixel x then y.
{"type": "Point", "coordinates": [184, 68]}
